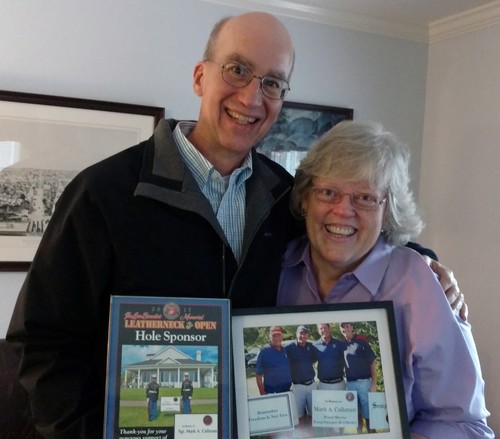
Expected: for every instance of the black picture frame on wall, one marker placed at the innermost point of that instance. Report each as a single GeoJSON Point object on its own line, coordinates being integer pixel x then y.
{"type": "Point", "coordinates": [44, 142]}
{"type": "Point", "coordinates": [298, 126]}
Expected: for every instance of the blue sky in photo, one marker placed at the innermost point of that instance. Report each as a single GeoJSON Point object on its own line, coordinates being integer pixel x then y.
{"type": "Point", "coordinates": [132, 354]}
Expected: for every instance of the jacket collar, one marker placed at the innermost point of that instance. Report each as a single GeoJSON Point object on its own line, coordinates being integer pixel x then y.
{"type": "Point", "coordinates": [163, 165]}
{"type": "Point", "coordinates": [165, 178]}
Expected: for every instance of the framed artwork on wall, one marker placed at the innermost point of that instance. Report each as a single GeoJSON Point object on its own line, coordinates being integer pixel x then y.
{"type": "Point", "coordinates": [297, 128]}
{"type": "Point", "coordinates": [44, 142]}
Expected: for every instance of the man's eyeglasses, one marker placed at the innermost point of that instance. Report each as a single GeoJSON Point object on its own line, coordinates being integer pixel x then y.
{"type": "Point", "coordinates": [360, 200]}
{"type": "Point", "coordinates": [238, 75]}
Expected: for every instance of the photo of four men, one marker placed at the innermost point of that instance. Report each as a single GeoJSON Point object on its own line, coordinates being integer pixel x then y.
{"type": "Point", "coordinates": [314, 359]}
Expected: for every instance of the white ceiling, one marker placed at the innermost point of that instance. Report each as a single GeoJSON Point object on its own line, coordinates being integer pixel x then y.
{"type": "Point", "coordinates": [419, 20]}
{"type": "Point", "coordinates": [420, 12]}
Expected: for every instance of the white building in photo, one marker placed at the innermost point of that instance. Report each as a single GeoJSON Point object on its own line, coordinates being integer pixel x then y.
{"type": "Point", "coordinates": [169, 365]}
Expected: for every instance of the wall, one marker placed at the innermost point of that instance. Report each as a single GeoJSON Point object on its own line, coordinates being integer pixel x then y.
{"type": "Point", "coordinates": [144, 53]}
{"type": "Point", "coordinates": [460, 180]}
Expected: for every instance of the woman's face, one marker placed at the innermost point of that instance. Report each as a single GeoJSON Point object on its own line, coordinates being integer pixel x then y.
{"type": "Point", "coordinates": [341, 234]}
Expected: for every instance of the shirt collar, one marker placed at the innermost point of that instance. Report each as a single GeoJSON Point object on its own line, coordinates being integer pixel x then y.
{"type": "Point", "coordinates": [196, 161]}
{"type": "Point", "coordinates": [372, 270]}
{"type": "Point", "coordinates": [369, 273]}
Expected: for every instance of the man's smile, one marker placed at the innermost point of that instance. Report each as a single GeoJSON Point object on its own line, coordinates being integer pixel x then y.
{"type": "Point", "coordinates": [245, 120]}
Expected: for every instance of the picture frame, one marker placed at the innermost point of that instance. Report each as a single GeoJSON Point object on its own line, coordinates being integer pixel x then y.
{"type": "Point", "coordinates": [334, 412]}
{"type": "Point", "coordinates": [168, 341]}
{"type": "Point", "coordinates": [298, 126]}
{"type": "Point", "coordinates": [44, 142]}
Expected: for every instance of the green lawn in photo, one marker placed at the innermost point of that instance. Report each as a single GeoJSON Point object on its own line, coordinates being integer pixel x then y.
{"type": "Point", "coordinates": [133, 416]}
{"type": "Point", "coordinates": [139, 394]}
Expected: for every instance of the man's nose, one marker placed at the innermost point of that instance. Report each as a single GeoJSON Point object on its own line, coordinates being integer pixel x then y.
{"type": "Point", "coordinates": [251, 94]}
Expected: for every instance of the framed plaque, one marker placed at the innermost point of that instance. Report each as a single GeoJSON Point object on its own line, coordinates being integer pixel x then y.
{"type": "Point", "coordinates": [263, 343]}
{"type": "Point", "coordinates": [168, 373]}
{"type": "Point", "coordinates": [44, 142]}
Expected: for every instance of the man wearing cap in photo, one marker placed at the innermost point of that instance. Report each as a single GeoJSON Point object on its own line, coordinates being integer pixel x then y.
{"type": "Point", "coordinates": [273, 369]}
{"type": "Point", "coordinates": [186, 394]}
{"type": "Point", "coordinates": [152, 394]}
{"type": "Point", "coordinates": [302, 355]}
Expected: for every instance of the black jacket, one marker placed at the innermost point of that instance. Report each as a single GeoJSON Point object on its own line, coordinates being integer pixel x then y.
{"type": "Point", "coordinates": [134, 224]}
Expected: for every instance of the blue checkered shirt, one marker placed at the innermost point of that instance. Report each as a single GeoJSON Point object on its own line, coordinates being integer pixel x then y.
{"type": "Point", "coordinates": [225, 194]}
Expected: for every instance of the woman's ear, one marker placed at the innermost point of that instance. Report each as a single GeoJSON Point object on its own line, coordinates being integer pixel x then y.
{"type": "Point", "coordinates": [303, 209]}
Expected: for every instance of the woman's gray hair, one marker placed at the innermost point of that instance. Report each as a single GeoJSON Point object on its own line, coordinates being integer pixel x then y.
{"type": "Point", "coordinates": [364, 151]}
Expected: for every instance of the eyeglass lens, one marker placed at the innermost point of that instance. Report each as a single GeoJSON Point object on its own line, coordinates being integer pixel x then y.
{"type": "Point", "coordinates": [239, 76]}
{"type": "Point", "coordinates": [358, 199]}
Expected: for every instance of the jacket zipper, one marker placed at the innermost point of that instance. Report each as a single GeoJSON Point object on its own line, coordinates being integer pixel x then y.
{"type": "Point", "coordinates": [224, 286]}
{"type": "Point", "coordinates": [243, 257]}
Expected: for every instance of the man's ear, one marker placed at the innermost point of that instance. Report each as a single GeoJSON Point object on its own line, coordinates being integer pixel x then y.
{"type": "Point", "coordinates": [198, 77]}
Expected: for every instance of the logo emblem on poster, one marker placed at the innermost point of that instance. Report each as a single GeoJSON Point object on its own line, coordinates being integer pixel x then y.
{"type": "Point", "coordinates": [171, 311]}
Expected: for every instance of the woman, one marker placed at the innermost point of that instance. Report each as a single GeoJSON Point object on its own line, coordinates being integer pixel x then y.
{"type": "Point", "coordinates": [352, 190]}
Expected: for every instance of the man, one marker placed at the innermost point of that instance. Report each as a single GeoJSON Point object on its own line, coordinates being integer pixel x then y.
{"type": "Point", "coordinates": [331, 365]}
{"type": "Point", "coordinates": [361, 371]}
{"type": "Point", "coordinates": [330, 355]}
{"type": "Point", "coordinates": [194, 212]}
{"type": "Point", "coordinates": [152, 395]}
{"type": "Point", "coordinates": [302, 355]}
{"type": "Point", "coordinates": [186, 394]}
{"type": "Point", "coordinates": [273, 369]}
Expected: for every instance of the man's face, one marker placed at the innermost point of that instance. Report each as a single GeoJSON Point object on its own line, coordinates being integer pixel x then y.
{"type": "Point", "coordinates": [232, 120]}
{"type": "Point", "coordinates": [347, 331]}
{"type": "Point", "coordinates": [324, 331]}
{"type": "Point", "coordinates": [302, 337]}
{"type": "Point", "coordinates": [276, 338]}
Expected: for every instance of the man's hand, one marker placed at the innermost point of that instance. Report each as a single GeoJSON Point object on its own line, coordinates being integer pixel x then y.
{"type": "Point", "coordinates": [450, 287]}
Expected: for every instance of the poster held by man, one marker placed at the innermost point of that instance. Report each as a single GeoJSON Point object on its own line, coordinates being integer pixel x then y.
{"type": "Point", "coordinates": [168, 372]}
